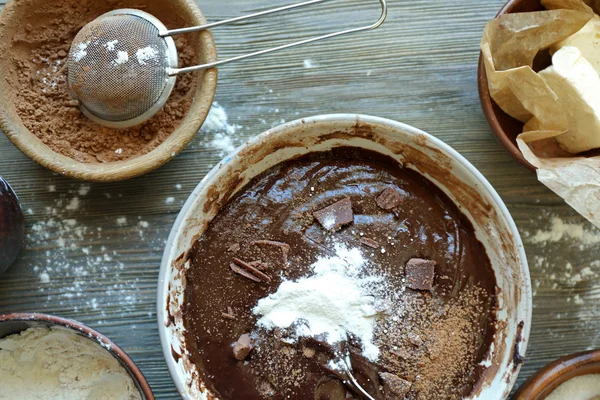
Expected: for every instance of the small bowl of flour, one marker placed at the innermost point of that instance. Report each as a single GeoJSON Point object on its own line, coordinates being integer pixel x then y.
{"type": "Point", "coordinates": [573, 377]}
{"type": "Point", "coordinates": [45, 357]}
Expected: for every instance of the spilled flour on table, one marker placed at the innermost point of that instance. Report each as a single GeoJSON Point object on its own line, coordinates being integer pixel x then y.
{"type": "Point", "coordinates": [309, 64]}
{"type": "Point", "coordinates": [567, 260]}
{"type": "Point", "coordinates": [77, 270]}
{"type": "Point", "coordinates": [222, 137]}
{"type": "Point", "coordinates": [219, 133]}
{"type": "Point", "coordinates": [559, 229]}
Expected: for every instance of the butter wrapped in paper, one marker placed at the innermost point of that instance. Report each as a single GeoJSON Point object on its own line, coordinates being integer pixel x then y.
{"type": "Point", "coordinates": [509, 45]}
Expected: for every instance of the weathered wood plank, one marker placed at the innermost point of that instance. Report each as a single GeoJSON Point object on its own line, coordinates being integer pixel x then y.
{"type": "Point", "coordinates": [419, 68]}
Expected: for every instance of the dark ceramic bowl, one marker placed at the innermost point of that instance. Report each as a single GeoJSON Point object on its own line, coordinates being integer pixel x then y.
{"type": "Point", "coordinates": [11, 324]}
{"type": "Point", "coordinates": [504, 126]}
{"type": "Point", "coordinates": [546, 380]}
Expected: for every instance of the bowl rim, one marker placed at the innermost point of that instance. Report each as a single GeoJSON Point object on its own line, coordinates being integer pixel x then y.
{"type": "Point", "coordinates": [347, 118]}
{"type": "Point", "coordinates": [37, 151]}
{"type": "Point", "coordinates": [486, 101]}
{"type": "Point", "coordinates": [133, 371]}
{"type": "Point", "coordinates": [554, 373]}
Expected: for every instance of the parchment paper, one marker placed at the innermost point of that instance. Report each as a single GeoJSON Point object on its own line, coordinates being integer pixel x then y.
{"type": "Point", "coordinates": [509, 46]}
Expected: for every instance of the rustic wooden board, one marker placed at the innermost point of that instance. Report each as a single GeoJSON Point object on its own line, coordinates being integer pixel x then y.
{"type": "Point", "coordinates": [419, 68]}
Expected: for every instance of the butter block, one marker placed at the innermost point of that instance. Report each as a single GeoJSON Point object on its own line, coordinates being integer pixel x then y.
{"type": "Point", "coordinates": [587, 40]}
{"type": "Point", "coordinates": [577, 85]}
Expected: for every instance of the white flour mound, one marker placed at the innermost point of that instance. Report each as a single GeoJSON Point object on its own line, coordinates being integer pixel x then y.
{"type": "Point", "coordinates": [334, 302]}
{"type": "Point", "coordinates": [49, 364]}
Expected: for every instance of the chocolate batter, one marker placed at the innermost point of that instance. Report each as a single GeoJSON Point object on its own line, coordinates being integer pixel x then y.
{"type": "Point", "coordinates": [436, 321]}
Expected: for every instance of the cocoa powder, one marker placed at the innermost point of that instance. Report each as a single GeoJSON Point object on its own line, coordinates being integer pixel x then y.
{"type": "Point", "coordinates": [435, 345]}
{"type": "Point", "coordinates": [38, 51]}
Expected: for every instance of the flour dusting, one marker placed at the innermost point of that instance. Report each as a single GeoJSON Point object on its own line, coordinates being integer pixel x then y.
{"type": "Point", "coordinates": [81, 51]}
{"type": "Point", "coordinates": [146, 54]}
{"type": "Point", "coordinates": [224, 138]}
{"type": "Point", "coordinates": [308, 63]}
{"type": "Point", "coordinates": [110, 46]}
{"type": "Point", "coordinates": [122, 58]}
{"type": "Point", "coordinates": [560, 229]}
{"type": "Point", "coordinates": [336, 301]}
{"type": "Point", "coordinates": [77, 266]}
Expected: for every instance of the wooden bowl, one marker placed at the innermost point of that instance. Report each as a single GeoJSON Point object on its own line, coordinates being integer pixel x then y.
{"type": "Point", "coordinates": [546, 380]}
{"type": "Point", "coordinates": [11, 324]}
{"type": "Point", "coordinates": [17, 14]}
{"type": "Point", "coordinates": [505, 127]}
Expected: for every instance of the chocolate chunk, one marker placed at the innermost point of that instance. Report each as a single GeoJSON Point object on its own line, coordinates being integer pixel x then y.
{"type": "Point", "coordinates": [394, 387]}
{"type": "Point", "coordinates": [241, 271]}
{"type": "Point", "coordinates": [420, 273]}
{"type": "Point", "coordinates": [249, 268]}
{"type": "Point", "coordinates": [336, 215]}
{"type": "Point", "coordinates": [331, 389]}
{"type": "Point", "coordinates": [369, 242]}
{"type": "Point", "coordinates": [389, 199]}
{"type": "Point", "coordinates": [243, 347]}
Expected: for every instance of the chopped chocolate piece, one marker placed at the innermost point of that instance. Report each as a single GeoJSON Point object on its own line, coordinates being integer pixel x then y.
{"type": "Point", "coordinates": [285, 248]}
{"type": "Point", "coordinates": [331, 389]}
{"type": "Point", "coordinates": [243, 347]}
{"type": "Point", "coordinates": [394, 387]}
{"type": "Point", "coordinates": [244, 273]}
{"type": "Point", "coordinates": [369, 242]}
{"type": "Point", "coordinates": [262, 276]}
{"type": "Point", "coordinates": [420, 273]}
{"type": "Point", "coordinates": [414, 339]}
{"type": "Point", "coordinates": [335, 216]}
{"type": "Point", "coordinates": [234, 248]}
{"type": "Point", "coordinates": [389, 199]}
{"type": "Point", "coordinates": [227, 316]}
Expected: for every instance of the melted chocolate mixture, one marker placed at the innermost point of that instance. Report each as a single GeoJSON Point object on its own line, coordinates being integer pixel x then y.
{"type": "Point", "coordinates": [431, 341]}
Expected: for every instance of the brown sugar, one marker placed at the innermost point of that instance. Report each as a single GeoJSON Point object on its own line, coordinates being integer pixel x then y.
{"type": "Point", "coordinates": [38, 51]}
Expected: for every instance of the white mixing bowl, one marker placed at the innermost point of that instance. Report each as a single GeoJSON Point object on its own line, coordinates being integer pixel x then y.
{"type": "Point", "coordinates": [414, 149]}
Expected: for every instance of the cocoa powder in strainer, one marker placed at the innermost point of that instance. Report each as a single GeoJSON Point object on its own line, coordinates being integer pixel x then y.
{"type": "Point", "coordinates": [38, 51]}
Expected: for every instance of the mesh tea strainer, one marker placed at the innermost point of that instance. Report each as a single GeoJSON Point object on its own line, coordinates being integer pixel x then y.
{"type": "Point", "coordinates": [122, 66]}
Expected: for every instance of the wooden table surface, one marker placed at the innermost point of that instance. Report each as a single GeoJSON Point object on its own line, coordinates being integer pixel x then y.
{"type": "Point", "coordinates": [93, 250]}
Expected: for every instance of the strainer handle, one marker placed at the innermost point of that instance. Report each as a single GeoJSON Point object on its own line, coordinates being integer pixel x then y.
{"type": "Point", "coordinates": [176, 71]}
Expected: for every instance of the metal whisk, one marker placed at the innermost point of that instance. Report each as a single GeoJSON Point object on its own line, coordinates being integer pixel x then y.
{"type": "Point", "coordinates": [122, 66]}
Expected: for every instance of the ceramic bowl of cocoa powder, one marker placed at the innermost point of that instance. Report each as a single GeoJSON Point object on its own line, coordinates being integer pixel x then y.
{"type": "Point", "coordinates": [38, 115]}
